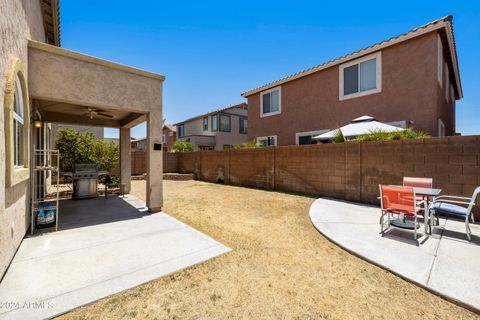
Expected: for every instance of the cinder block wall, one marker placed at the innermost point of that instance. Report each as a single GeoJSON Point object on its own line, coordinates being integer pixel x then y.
{"type": "Point", "coordinates": [170, 162]}
{"type": "Point", "coordinates": [350, 171]}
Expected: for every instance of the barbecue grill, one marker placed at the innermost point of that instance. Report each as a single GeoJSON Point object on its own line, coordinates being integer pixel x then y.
{"type": "Point", "coordinates": [85, 180]}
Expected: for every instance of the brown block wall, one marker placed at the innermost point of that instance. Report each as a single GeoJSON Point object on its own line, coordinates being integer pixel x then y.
{"type": "Point", "coordinates": [350, 171]}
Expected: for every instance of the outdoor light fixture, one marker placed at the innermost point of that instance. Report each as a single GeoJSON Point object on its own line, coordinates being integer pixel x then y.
{"type": "Point", "coordinates": [37, 123]}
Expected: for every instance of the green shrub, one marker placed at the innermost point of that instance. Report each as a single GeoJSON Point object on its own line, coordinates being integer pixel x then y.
{"type": "Point", "coordinates": [75, 147]}
{"type": "Point", "coordinates": [378, 135]}
{"type": "Point", "coordinates": [246, 145]}
{"type": "Point", "coordinates": [182, 146]}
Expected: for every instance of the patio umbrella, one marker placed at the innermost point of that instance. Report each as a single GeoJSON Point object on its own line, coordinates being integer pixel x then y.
{"type": "Point", "coordinates": [357, 127]}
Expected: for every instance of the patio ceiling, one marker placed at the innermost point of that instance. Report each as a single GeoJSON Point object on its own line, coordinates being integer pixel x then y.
{"type": "Point", "coordinates": [69, 87]}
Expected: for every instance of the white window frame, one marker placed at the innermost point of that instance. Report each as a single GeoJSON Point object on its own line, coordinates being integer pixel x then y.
{"type": "Point", "coordinates": [308, 133]}
{"type": "Point", "coordinates": [279, 88]}
{"type": "Point", "coordinates": [164, 138]}
{"type": "Point", "coordinates": [20, 119]}
{"type": "Point", "coordinates": [439, 61]}
{"type": "Point", "coordinates": [441, 128]}
{"type": "Point", "coordinates": [376, 55]}
{"type": "Point", "coordinates": [266, 138]}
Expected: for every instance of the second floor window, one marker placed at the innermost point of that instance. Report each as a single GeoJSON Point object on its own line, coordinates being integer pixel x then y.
{"type": "Point", "coordinates": [224, 123]}
{"type": "Point", "coordinates": [360, 77]}
{"type": "Point", "coordinates": [270, 102]}
{"type": "Point", "coordinates": [205, 124]}
{"type": "Point", "coordinates": [215, 122]}
{"type": "Point", "coordinates": [164, 138]}
{"type": "Point", "coordinates": [181, 131]}
{"type": "Point", "coordinates": [243, 125]}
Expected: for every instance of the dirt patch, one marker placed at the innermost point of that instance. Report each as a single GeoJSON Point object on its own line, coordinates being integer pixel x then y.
{"type": "Point", "coordinates": [280, 267]}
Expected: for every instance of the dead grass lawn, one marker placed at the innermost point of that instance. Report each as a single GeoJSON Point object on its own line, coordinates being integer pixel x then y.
{"type": "Point", "coordinates": [280, 268]}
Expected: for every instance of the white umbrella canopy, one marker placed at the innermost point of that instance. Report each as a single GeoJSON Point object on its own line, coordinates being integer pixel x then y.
{"type": "Point", "coordinates": [357, 127]}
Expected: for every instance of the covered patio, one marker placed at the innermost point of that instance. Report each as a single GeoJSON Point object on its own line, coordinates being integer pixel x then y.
{"type": "Point", "coordinates": [96, 253]}
{"type": "Point", "coordinates": [72, 88]}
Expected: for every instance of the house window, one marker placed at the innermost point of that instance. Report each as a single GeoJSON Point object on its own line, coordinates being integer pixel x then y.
{"type": "Point", "coordinates": [205, 123]}
{"type": "Point", "coordinates": [18, 125]}
{"type": "Point", "coordinates": [267, 141]}
{"type": "Point", "coordinates": [270, 102]}
{"type": "Point", "coordinates": [361, 77]}
{"type": "Point", "coordinates": [441, 128]}
{"type": "Point", "coordinates": [243, 125]}
{"type": "Point", "coordinates": [225, 123]}
{"type": "Point", "coordinates": [307, 136]}
{"type": "Point", "coordinates": [181, 131]}
{"type": "Point", "coordinates": [215, 122]}
{"type": "Point", "coordinates": [439, 61]}
{"type": "Point", "coordinates": [164, 138]}
{"type": "Point", "coordinates": [170, 133]}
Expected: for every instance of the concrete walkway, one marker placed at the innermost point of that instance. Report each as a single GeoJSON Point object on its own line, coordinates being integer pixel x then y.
{"type": "Point", "coordinates": [444, 262]}
{"type": "Point", "coordinates": [104, 246]}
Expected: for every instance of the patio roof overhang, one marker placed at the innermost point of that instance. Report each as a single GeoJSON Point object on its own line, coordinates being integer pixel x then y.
{"type": "Point", "coordinates": [66, 86]}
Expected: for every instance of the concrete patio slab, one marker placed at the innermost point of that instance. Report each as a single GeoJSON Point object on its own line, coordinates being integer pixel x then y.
{"type": "Point", "coordinates": [104, 246]}
{"type": "Point", "coordinates": [444, 262]}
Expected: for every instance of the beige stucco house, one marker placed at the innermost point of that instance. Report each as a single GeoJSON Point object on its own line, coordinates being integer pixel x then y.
{"type": "Point", "coordinates": [216, 130]}
{"type": "Point", "coordinates": [42, 83]}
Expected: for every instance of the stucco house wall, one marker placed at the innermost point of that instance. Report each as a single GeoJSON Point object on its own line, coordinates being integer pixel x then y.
{"type": "Point", "coordinates": [193, 129]}
{"type": "Point", "coordinates": [410, 91]}
{"type": "Point", "coordinates": [19, 22]}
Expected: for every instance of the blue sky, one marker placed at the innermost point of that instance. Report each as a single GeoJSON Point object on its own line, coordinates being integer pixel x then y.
{"type": "Point", "coordinates": [211, 51]}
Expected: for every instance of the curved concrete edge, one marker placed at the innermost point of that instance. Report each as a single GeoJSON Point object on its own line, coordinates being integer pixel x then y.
{"type": "Point", "coordinates": [365, 258]}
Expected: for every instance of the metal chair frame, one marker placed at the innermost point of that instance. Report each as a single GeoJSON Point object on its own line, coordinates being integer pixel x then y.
{"type": "Point", "coordinates": [389, 213]}
{"type": "Point", "coordinates": [461, 201]}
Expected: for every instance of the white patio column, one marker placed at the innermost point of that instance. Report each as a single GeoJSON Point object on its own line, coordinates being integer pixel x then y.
{"type": "Point", "coordinates": [154, 162]}
{"type": "Point", "coordinates": [125, 159]}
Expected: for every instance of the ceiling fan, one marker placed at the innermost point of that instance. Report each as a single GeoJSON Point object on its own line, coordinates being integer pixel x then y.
{"type": "Point", "coordinates": [91, 113]}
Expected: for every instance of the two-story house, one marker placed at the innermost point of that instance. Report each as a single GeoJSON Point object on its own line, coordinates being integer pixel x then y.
{"type": "Point", "coordinates": [216, 130]}
{"type": "Point", "coordinates": [409, 80]}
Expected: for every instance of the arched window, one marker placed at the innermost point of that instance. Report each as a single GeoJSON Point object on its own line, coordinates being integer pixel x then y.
{"type": "Point", "coordinates": [18, 125]}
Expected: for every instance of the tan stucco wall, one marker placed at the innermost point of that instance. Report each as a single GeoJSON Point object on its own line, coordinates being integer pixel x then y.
{"type": "Point", "coordinates": [65, 76]}
{"type": "Point", "coordinates": [195, 127]}
{"type": "Point", "coordinates": [19, 21]}
{"type": "Point", "coordinates": [97, 131]}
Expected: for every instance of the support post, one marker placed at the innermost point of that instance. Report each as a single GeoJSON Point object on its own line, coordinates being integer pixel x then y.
{"type": "Point", "coordinates": [125, 159]}
{"type": "Point", "coordinates": [154, 162]}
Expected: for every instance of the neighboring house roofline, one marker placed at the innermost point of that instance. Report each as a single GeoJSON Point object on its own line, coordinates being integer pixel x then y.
{"type": "Point", "coordinates": [443, 23]}
{"type": "Point", "coordinates": [51, 21]}
{"type": "Point", "coordinates": [170, 127]}
{"type": "Point", "coordinates": [233, 106]}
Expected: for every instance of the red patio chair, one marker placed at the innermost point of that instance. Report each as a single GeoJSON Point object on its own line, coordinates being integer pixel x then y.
{"type": "Point", "coordinates": [417, 182]}
{"type": "Point", "coordinates": [400, 202]}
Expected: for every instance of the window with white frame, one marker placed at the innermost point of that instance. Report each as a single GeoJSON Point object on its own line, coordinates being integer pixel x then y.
{"type": "Point", "coordinates": [267, 141]}
{"type": "Point", "coordinates": [361, 77]}
{"type": "Point", "coordinates": [439, 60]}
{"type": "Point", "coordinates": [243, 125]}
{"type": "Point", "coordinates": [270, 102]}
{"type": "Point", "coordinates": [164, 138]}
{"type": "Point", "coordinates": [205, 124]}
{"type": "Point", "coordinates": [181, 130]}
{"type": "Point", "coordinates": [18, 125]}
{"type": "Point", "coordinates": [170, 133]}
{"type": "Point", "coordinates": [441, 128]}
{"type": "Point", "coordinates": [215, 122]}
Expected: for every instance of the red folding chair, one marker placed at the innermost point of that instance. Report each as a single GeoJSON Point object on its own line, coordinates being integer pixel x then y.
{"type": "Point", "coordinates": [401, 208]}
